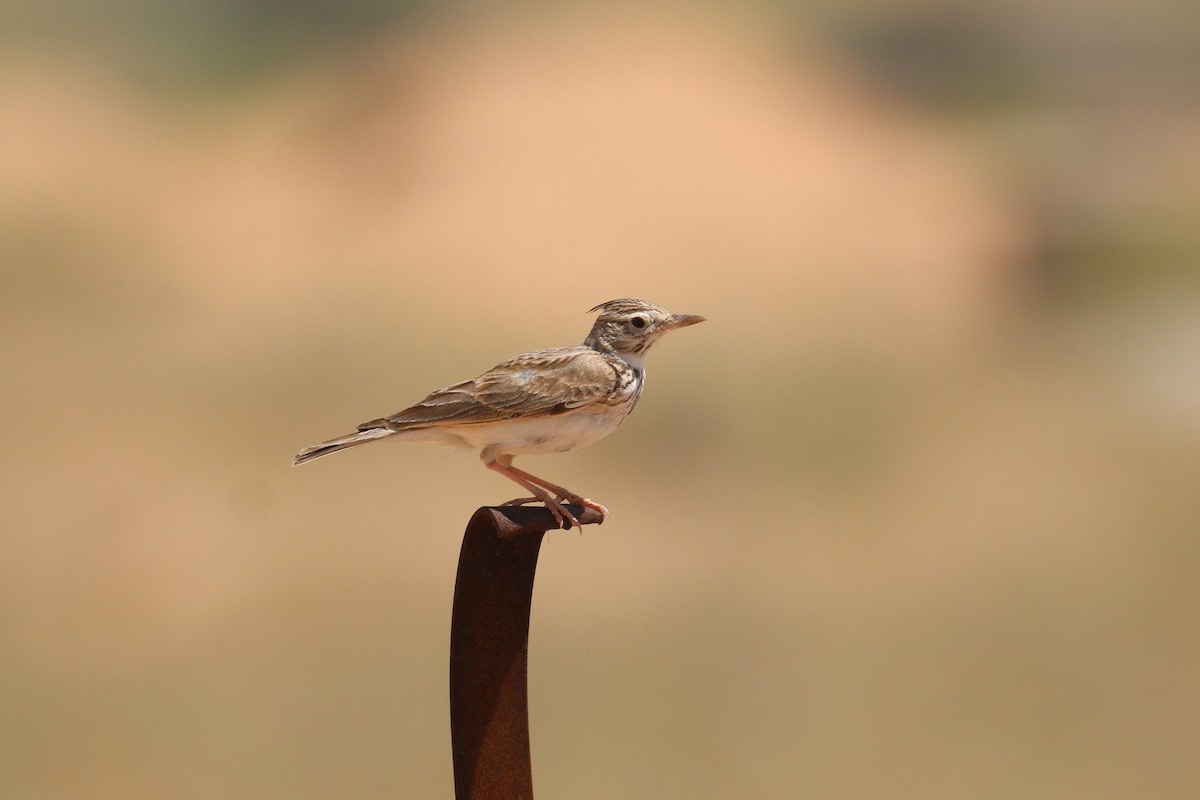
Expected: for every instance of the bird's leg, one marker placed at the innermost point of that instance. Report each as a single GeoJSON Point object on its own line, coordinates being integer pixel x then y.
{"type": "Point", "coordinates": [563, 494]}
{"type": "Point", "coordinates": [555, 507]}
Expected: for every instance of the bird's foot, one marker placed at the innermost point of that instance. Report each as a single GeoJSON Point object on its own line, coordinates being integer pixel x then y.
{"type": "Point", "coordinates": [562, 516]}
{"type": "Point", "coordinates": [576, 500]}
{"type": "Point", "coordinates": [565, 518]}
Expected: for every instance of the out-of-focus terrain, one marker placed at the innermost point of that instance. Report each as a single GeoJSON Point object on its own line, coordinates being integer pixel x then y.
{"type": "Point", "coordinates": [914, 514]}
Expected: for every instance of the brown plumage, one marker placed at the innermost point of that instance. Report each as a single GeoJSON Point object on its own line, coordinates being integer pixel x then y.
{"type": "Point", "coordinates": [547, 401]}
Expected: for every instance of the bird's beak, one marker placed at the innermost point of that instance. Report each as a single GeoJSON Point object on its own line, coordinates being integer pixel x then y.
{"type": "Point", "coordinates": [682, 321]}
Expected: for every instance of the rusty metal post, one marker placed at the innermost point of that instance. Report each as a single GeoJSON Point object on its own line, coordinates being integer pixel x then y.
{"type": "Point", "coordinates": [489, 646]}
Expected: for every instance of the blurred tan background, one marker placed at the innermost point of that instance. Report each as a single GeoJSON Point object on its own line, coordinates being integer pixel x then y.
{"type": "Point", "coordinates": [914, 515]}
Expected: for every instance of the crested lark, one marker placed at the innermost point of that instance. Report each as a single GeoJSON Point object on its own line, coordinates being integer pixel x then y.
{"type": "Point", "coordinates": [547, 401]}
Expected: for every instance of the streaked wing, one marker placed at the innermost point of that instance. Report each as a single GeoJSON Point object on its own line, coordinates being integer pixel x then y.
{"type": "Point", "coordinates": [538, 383]}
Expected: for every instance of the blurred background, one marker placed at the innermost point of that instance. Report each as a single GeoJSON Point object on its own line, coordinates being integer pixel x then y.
{"type": "Point", "coordinates": [914, 514]}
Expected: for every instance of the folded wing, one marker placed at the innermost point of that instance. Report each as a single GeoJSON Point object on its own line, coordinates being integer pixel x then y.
{"type": "Point", "coordinates": [534, 384]}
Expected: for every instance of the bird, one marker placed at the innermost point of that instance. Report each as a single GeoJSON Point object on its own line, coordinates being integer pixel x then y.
{"type": "Point", "coordinates": [541, 402]}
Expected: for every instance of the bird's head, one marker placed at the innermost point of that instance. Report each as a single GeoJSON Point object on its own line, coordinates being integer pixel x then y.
{"type": "Point", "coordinates": [629, 327]}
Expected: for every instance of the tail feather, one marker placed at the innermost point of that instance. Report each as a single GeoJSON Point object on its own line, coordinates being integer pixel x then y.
{"type": "Point", "coordinates": [340, 443]}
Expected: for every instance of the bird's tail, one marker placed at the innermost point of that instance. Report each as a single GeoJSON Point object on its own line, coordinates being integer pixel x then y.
{"type": "Point", "coordinates": [340, 443]}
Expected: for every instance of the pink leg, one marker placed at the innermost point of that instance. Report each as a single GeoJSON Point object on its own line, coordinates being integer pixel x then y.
{"type": "Point", "coordinates": [563, 494]}
{"type": "Point", "coordinates": [554, 506]}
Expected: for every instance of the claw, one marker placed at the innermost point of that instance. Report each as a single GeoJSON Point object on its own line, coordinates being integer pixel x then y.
{"type": "Point", "coordinates": [575, 500]}
{"type": "Point", "coordinates": [561, 512]}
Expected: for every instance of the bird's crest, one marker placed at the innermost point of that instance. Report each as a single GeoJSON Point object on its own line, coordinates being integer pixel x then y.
{"type": "Point", "coordinates": [626, 305]}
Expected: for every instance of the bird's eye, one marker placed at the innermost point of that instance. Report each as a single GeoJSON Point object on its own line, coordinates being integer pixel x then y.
{"type": "Point", "coordinates": [639, 322]}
